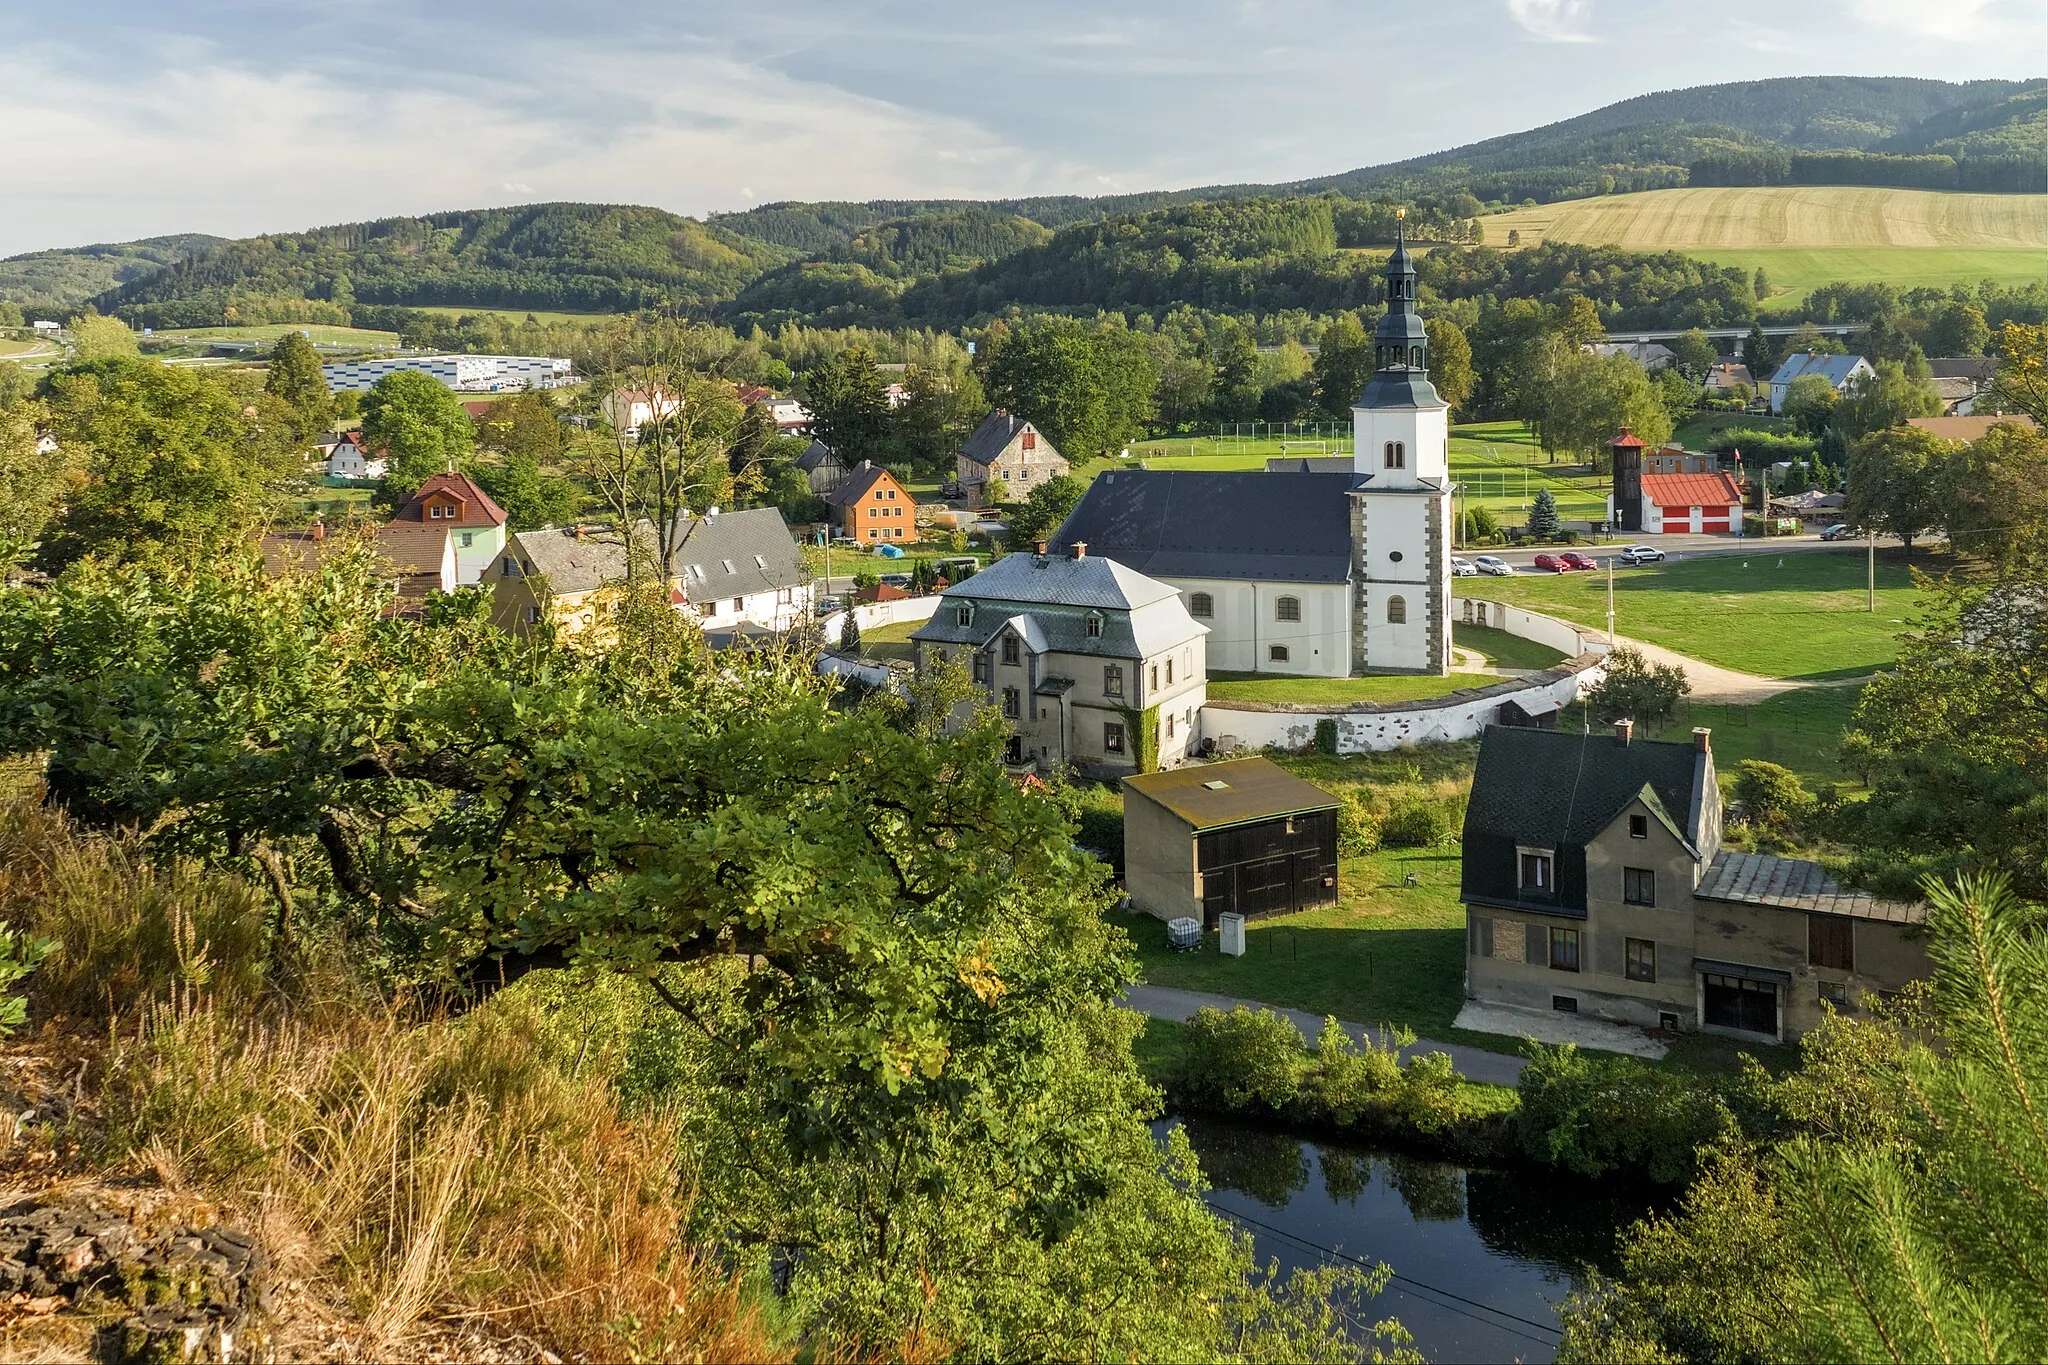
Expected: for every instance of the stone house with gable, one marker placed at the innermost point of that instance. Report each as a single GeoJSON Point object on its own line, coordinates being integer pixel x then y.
{"type": "Point", "coordinates": [1090, 663]}
{"type": "Point", "coordinates": [1595, 883]}
{"type": "Point", "coordinates": [1010, 449]}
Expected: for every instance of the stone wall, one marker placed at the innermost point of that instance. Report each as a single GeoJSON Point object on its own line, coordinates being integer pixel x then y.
{"type": "Point", "coordinates": [1364, 727]}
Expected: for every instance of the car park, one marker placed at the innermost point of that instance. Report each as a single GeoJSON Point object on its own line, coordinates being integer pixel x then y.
{"type": "Point", "coordinates": [1463, 568]}
{"type": "Point", "coordinates": [1640, 554]}
{"type": "Point", "coordinates": [1574, 560]}
{"type": "Point", "coordinates": [1493, 565]}
{"type": "Point", "coordinates": [1841, 530]}
{"type": "Point", "coordinates": [1551, 564]}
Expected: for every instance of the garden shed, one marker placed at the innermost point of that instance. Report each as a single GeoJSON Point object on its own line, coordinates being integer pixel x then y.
{"type": "Point", "coordinates": [1243, 837]}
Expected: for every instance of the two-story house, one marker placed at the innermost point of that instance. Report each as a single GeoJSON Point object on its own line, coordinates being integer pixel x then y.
{"type": "Point", "coordinates": [1839, 370]}
{"type": "Point", "coordinates": [1091, 664]}
{"type": "Point", "coordinates": [870, 506]}
{"type": "Point", "coordinates": [455, 502]}
{"type": "Point", "coordinates": [739, 574]}
{"type": "Point", "coordinates": [1595, 883]}
{"type": "Point", "coordinates": [352, 458]}
{"type": "Point", "coordinates": [1010, 449]}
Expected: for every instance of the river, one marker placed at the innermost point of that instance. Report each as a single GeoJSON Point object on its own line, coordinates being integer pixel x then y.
{"type": "Point", "coordinates": [1481, 1258]}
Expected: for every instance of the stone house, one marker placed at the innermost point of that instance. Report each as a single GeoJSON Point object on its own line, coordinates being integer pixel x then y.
{"type": "Point", "coordinates": [1595, 883]}
{"type": "Point", "coordinates": [1092, 665]}
{"type": "Point", "coordinates": [1007, 448]}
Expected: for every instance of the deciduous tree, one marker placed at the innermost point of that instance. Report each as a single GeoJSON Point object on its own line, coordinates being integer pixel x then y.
{"type": "Point", "coordinates": [420, 426]}
{"type": "Point", "coordinates": [102, 338]}
{"type": "Point", "coordinates": [1450, 361]}
{"type": "Point", "coordinates": [1343, 364]}
{"type": "Point", "coordinates": [294, 376]}
{"type": "Point", "coordinates": [1895, 482]}
{"type": "Point", "coordinates": [1635, 689]}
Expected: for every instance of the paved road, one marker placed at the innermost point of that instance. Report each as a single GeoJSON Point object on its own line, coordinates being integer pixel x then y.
{"type": "Point", "coordinates": [1477, 1064]}
{"type": "Point", "coordinates": [1683, 546]}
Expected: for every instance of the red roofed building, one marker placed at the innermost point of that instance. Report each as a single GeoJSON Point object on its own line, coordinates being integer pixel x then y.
{"type": "Point", "coordinates": [455, 502]}
{"type": "Point", "coordinates": [1691, 502]}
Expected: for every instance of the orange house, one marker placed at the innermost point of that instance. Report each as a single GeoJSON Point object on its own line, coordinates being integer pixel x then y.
{"type": "Point", "coordinates": [871, 506]}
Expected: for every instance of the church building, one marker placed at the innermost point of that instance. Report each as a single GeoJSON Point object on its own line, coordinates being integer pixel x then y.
{"type": "Point", "coordinates": [1331, 568]}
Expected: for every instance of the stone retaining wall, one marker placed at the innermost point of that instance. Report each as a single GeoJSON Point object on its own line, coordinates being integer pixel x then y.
{"type": "Point", "coordinates": [1364, 727]}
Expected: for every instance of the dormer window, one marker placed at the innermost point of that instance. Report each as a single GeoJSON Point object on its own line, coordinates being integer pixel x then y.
{"type": "Point", "coordinates": [1095, 627]}
{"type": "Point", "coordinates": [965, 616]}
{"type": "Point", "coordinates": [1536, 870]}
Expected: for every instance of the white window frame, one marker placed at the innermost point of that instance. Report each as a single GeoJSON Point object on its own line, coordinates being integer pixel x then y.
{"type": "Point", "coordinates": [1549, 857]}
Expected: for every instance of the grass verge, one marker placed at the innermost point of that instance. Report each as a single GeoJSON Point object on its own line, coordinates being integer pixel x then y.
{"type": "Point", "coordinates": [1503, 650]}
{"type": "Point", "coordinates": [1338, 691]}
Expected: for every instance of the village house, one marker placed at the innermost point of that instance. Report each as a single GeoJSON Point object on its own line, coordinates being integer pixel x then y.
{"type": "Point", "coordinates": [1595, 883]}
{"type": "Point", "coordinates": [870, 506]}
{"type": "Point", "coordinates": [1961, 380]}
{"type": "Point", "coordinates": [821, 467]}
{"type": "Point", "coordinates": [1727, 377]}
{"type": "Point", "coordinates": [1091, 664]}
{"type": "Point", "coordinates": [351, 458]}
{"type": "Point", "coordinates": [1319, 572]}
{"type": "Point", "coordinates": [455, 502]}
{"type": "Point", "coordinates": [416, 561]}
{"type": "Point", "coordinates": [626, 409]}
{"type": "Point", "coordinates": [1245, 837]}
{"type": "Point", "coordinates": [791, 418]}
{"type": "Point", "coordinates": [1651, 355]}
{"type": "Point", "coordinates": [1838, 370]}
{"type": "Point", "coordinates": [739, 574]}
{"type": "Point", "coordinates": [1008, 449]}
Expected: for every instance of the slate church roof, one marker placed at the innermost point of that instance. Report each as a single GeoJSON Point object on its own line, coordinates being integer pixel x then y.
{"type": "Point", "coordinates": [1181, 523]}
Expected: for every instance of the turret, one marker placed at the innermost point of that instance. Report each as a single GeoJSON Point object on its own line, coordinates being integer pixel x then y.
{"type": "Point", "coordinates": [1400, 345]}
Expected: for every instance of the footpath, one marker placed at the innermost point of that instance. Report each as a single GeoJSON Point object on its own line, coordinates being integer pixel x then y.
{"type": "Point", "coordinates": [1475, 1064]}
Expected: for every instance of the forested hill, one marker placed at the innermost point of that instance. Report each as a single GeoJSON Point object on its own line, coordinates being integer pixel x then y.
{"type": "Point", "coordinates": [60, 280]}
{"type": "Point", "coordinates": [537, 256]}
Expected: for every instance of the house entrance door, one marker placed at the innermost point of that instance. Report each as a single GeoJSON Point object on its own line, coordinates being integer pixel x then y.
{"type": "Point", "coordinates": [1732, 1002]}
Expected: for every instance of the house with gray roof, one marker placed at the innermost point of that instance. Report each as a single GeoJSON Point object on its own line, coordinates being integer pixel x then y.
{"type": "Point", "coordinates": [1838, 370]}
{"type": "Point", "coordinates": [1595, 882]}
{"type": "Point", "coordinates": [1091, 664]}
{"type": "Point", "coordinates": [737, 573]}
{"type": "Point", "coordinates": [1008, 448]}
{"type": "Point", "coordinates": [821, 467]}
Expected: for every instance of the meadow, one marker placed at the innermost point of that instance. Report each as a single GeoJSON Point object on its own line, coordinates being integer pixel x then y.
{"type": "Point", "coordinates": [1338, 691]}
{"type": "Point", "coordinates": [513, 314]}
{"type": "Point", "coordinates": [318, 333]}
{"type": "Point", "coordinates": [1798, 615]}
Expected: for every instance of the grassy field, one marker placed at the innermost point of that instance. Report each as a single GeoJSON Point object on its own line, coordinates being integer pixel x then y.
{"type": "Point", "coordinates": [1808, 236]}
{"type": "Point", "coordinates": [1503, 650]}
{"type": "Point", "coordinates": [1693, 435]}
{"type": "Point", "coordinates": [1704, 220]}
{"type": "Point", "coordinates": [271, 331]}
{"type": "Point", "coordinates": [1335, 691]}
{"type": "Point", "coordinates": [890, 642]}
{"type": "Point", "coordinates": [11, 349]}
{"type": "Point", "coordinates": [1798, 730]}
{"type": "Point", "coordinates": [1780, 616]}
{"type": "Point", "coordinates": [516, 314]}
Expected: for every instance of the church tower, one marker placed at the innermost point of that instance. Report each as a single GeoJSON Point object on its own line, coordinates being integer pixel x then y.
{"type": "Point", "coordinates": [1401, 504]}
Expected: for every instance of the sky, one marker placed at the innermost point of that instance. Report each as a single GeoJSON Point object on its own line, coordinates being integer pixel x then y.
{"type": "Point", "coordinates": [133, 118]}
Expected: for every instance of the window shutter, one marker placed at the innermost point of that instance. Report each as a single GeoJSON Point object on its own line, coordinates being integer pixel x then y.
{"type": "Point", "coordinates": [1539, 944]}
{"type": "Point", "coordinates": [1608, 950]}
{"type": "Point", "coordinates": [1482, 935]}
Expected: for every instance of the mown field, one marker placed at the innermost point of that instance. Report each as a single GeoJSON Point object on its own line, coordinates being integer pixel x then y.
{"type": "Point", "coordinates": [270, 331]}
{"type": "Point", "coordinates": [1798, 615]}
{"type": "Point", "coordinates": [1338, 691]}
{"type": "Point", "coordinates": [1803, 237]}
{"type": "Point", "coordinates": [512, 314]}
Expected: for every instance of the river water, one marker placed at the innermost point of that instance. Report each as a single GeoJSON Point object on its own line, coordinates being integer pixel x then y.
{"type": "Point", "coordinates": [1482, 1258]}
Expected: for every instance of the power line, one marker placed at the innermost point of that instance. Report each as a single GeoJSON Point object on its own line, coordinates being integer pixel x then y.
{"type": "Point", "coordinates": [1411, 1284]}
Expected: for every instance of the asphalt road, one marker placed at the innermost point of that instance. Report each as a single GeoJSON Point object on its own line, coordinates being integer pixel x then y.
{"type": "Point", "coordinates": [1678, 546]}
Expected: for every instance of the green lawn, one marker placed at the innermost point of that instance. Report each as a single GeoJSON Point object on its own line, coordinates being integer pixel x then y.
{"type": "Point", "coordinates": [1693, 435]}
{"type": "Point", "coordinates": [1794, 271]}
{"type": "Point", "coordinates": [1798, 730]}
{"type": "Point", "coordinates": [1798, 615]}
{"type": "Point", "coordinates": [271, 331]}
{"type": "Point", "coordinates": [890, 642]}
{"type": "Point", "coordinates": [1500, 467]}
{"type": "Point", "coordinates": [1334, 691]}
{"type": "Point", "coordinates": [1503, 650]}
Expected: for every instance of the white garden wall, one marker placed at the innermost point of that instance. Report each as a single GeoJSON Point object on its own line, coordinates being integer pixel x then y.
{"type": "Point", "coordinates": [1364, 727]}
{"type": "Point", "coordinates": [1563, 636]}
{"type": "Point", "coordinates": [881, 614]}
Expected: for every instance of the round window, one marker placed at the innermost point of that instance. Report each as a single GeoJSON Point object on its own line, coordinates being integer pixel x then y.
{"type": "Point", "coordinates": [1395, 556]}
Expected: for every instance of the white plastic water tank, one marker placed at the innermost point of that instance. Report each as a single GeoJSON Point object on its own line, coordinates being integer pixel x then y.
{"type": "Point", "coordinates": [1231, 930]}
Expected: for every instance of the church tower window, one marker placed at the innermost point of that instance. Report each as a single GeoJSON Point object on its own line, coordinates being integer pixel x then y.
{"type": "Point", "coordinates": [1396, 455]}
{"type": "Point", "coordinates": [1397, 611]}
{"type": "Point", "coordinates": [1287, 609]}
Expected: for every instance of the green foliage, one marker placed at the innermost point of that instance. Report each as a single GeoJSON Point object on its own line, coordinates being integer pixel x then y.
{"type": "Point", "coordinates": [1772, 795]}
{"type": "Point", "coordinates": [523, 431]}
{"type": "Point", "coordinates": [1418, 823]}
{"type": "Point", "coordinates": [1044, 509]}
{"type": "Point", "coordinates": [1089, 389]}
{"type": "Point", "coordinates": [1993, 496]}
{"type": "Point", "coordinates": [1810, 403]}
{"type": "Point", "coordinates": [1694, 355]}
{"type": "Point", "coordinates": [1240, 1059]}
{"type": "Point", "coordinates": [1895, 481]}
{"type": "Point", "coordinates": [96, 338]}
{"type": "Point", "coordinates": [849, 629]}
{"type": "Point", "coordinates": [15, 385]}
{"type": "Point", "coordinates": [1592, 1114]}
{"type": "Point", "coordinates": [1343, 364]}
{"type": "Point", "coordinates": [1881, 400]}
{"type": "Point", "coordinates": [1481, 524]}
{"type": "Point", "coordinates": [55, 283]}
{"type": "Point", "coordinates": [294, 376]}
{"type": "Point", "coordinates": [20, 955]}
{"type": "Point", "coordinates": [1358, 826]}
{"type": "Point", "coordinates": [1543, 521]}
{"type": "Point", "coordinates": [420, 425]}
{"type": "Point", "coordinates": [1633, 688]}
{"type": "Point", "coordinates": [32, 485]}
{"type": "Point", "coordinates": [845, 395]}
{"type": "Point", "coordinates": [1450, 361]}
{"type": "Point", "coordinates": [1326, 736]}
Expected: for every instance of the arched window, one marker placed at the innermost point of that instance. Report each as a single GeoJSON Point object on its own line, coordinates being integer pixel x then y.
{"type": "Point", "coordinates": [1396, 455]}
{"type": "Point", "coordinates": [1202, 606]}
{"type": "Point", "coordinates": [1287, 609]}
{"type": "Point", "coordinates": [1276, 654]}
{"type": "Point", "coordinates": [1397, 611]}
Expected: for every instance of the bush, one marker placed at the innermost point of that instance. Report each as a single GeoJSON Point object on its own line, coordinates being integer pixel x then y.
{"type": "Point", "coordinates": [1358, 826]}
{"type": "Point", "coordinates": [20, 955]}
{"type": "Point", "coordinates": [1242, 1059]}
{"type": "Point", "coordinates": [1770, 794]}
{"type": "Point", "coordinates": [1482, 524]}
{"type": "Point", "coordinates": [1417, 823]}
{"type": "Point", "coordinates": [1326, 736]}
{"type": "Point", "coordinates": [1592, 1115]}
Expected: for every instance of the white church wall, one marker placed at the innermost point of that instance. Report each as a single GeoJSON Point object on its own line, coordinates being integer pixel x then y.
{"type": "Point", "coordinates": [1370, 729]}
{"type": "Point", "coordinates": [1245, 625]}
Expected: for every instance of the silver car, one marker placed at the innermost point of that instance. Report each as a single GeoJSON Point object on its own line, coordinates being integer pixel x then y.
{"type": "Point", "coordinates": [1640, 554]}
{"type": "Point", "coordinates": [1491, 564]}
{"type": "Point", "coordinates": [1463, 568]}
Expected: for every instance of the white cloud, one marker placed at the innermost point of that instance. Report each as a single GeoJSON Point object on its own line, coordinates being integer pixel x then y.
{"type": "Point", "coordinates": [1953, 21]}
{"type": "Point", "coordinates": [1554, 21]}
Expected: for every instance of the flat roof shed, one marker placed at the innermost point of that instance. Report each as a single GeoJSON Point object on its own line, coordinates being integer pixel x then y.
{"type": "Point", "coordinates": [1244, 836]}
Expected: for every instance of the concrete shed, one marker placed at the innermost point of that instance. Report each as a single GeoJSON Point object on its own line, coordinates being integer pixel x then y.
{"type": "Point", "coordinates": [1244, 837]}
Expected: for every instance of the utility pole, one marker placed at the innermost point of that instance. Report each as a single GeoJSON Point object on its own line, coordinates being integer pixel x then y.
{"type": "Point", "coordinates": [1610, 601]}
{"type": "Point", "coordinates": [1870, 567]}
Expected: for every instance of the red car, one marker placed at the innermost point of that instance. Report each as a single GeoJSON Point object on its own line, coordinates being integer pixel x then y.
{"type": "Point", "coordinates": [1551, 563]}
{"type": "Point", "coordinates": [1574, 560]}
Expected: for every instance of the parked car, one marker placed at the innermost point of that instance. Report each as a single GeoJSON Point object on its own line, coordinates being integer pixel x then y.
{"type": "Point", "coordinates": [1574, 560]}
{"type": "Point", "coordinates": [1497, 567]}
{"type": "Point", "coordinates": [827, 605]}
{"type": "Point", "coordinates": [896, 580]}
{"type": "Point", "coordinates": [1551, 564]}
{"type": "Point", "coordinates": [1640, 554]}
{"type": "Point", "coordinates": [1841, 530]}
{"type": "Point", "coordinates": [1463, 568]}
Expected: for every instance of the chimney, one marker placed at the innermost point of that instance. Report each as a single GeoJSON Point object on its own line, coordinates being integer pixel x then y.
{"type": "Point", "coordinates": [1702, 739]}
{"type": "Point", "coordinates": [579, 530]}
{"type": "Point", "coordinates": [1623, 729]}
{"type": "Point", "coordinates": [1038, 548]}
{"type": "Point", "coordinates": [319, 530]}
{"type": "Point", "coordinates": [1080, 549]}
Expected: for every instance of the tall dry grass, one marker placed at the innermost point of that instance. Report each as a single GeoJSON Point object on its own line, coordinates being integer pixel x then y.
{"type": "Point", "coordinates": [425, 1176]}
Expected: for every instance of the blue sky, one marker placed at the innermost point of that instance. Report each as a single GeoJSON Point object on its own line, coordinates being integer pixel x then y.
{"type": "Point", "coordinates": [126, 119]}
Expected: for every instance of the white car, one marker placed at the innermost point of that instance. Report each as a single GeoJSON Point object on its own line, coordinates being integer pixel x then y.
{"type": "Point", "coordinates": [1463, 568]}
{"type": "Point", "coordinates": [1490, 564]}
{"type": "Point", "coordinates": [1640, 554]}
